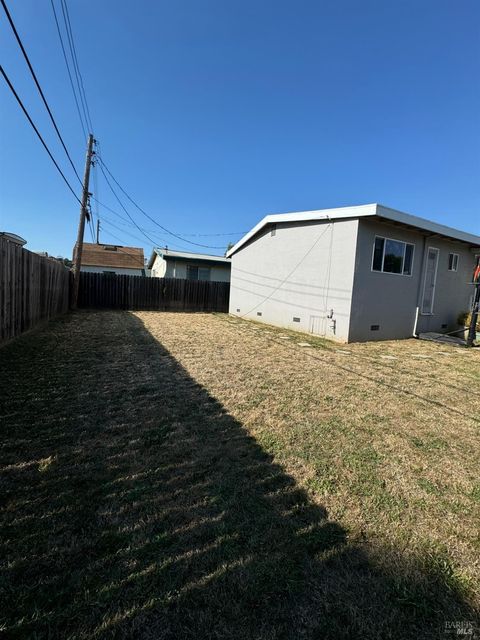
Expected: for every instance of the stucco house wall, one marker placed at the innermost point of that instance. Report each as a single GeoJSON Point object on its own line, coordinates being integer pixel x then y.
{"type": "Point", "coordinates": [178, 268]}
{"type": "Point", "coordinates": [384, 305]}
{"type": "Point", "coordinates": [295, 274]}
{"type": "Point", "coordinates": [171, 268]}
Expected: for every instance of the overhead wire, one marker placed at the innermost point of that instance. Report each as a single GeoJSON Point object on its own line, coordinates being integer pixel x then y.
{"type": "Point", "coordinates": [127, 222]}
{"type": "Point", "coordinates": [123, 207]}
{"type": "Point", "coordinates": [84, 129]}
{"type": "Point", "coordinates": [76, 66]}
{"type": "Point", "coordinates": [139, 261]}
{"type": "Point", "coordinates": [131, 235]}
{"type": "Point", "coordinates": [39, 88]}
{"type": "Point", "coordinates": [39, 135]}
{"type": "Point", "coordinates": [104, 168]}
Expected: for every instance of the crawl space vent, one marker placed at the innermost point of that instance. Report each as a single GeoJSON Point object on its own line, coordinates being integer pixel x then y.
{"type": "Point", "coordinates": [374, 327]}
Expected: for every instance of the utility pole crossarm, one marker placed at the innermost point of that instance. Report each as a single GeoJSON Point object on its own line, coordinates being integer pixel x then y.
{"type": "Point", "coordinates": [77, 258]}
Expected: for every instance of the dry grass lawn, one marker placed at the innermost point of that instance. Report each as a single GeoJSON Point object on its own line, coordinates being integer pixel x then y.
{"type": "Point", "coordinates": [174, 476]}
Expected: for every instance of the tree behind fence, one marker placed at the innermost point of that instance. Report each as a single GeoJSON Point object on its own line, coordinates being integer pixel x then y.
{"type": "Point", "coordinates": [108, 291]}
{"type": "Point", "coordinates": [32, 289]}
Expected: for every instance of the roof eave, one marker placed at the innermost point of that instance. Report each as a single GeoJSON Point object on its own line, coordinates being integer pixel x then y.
{"type": "Point", "coordinates": [305, 216]}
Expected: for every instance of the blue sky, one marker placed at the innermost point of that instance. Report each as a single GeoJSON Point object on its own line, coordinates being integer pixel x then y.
{"type": "Point", "coordinates": [212, 114]}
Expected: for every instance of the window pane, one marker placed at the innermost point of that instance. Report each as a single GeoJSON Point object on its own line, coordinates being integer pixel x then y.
{"type": "Point", "coordinates": [455, 262]}
{"type": "Point", "coordinates": [378, 254]}
{"type": "Point", "coordinates": [450, 261]}
{"type": "Point", "coordinates": [192, 272]}
{"type": "Point", "coordinates": [203, 273]}
{"type": "Point", "coordinates": [393, 261]}
{"type": "Point", "coordinates": [407, 265]}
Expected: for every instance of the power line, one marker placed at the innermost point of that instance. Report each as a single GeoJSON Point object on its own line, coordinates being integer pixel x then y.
{"type": "Point", "coordinates": [27, 115]}
{"type": "Point", "coordinates": [76, 66]}
{"type": "Point", "coordinates": [125, 221]}
{"type": "Point", "coordinates": [171, 233]}
{"type": "Point", "coordinates": [128, 233]}
{"type": "Point", "coordinates": [121, 204]}
{"type": "Point", "coordinates": [212, 235]}
{"type": "Point", "coordinates": [34, 76]}
{"type": "Point", "coordinates": [68, 70]}
{"type": "Point", "coordinates": [128, 253]}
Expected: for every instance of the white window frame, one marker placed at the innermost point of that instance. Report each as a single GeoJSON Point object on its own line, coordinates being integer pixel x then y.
{"type": "Point", "coordinates": [430, 313]}
{"type": "Point", "coordinates": [454, 268]}
{"type": "Point", "coordinates": [392, 273]}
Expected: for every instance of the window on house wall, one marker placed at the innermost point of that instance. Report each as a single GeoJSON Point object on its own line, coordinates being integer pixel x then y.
{"type": "Point", "coordinates": [453, 261]}
{"type": "Point", "coordinates": [197, 273]}
{"type": "Point", "coordinates": [110, 247]}
{"type": "Point", "coordinates": [392, 256]}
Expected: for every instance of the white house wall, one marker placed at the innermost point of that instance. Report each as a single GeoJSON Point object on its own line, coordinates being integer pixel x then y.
{"type": "Point", "coordinates": [118, 270]}
{"type": "Point", "coordinates": [159, 267]}
{"type": "Point", "coordinates": [304, 271]}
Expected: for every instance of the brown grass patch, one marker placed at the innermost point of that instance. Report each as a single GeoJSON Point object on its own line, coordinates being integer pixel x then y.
{"type": "Point", "coordinates": [196, 476]}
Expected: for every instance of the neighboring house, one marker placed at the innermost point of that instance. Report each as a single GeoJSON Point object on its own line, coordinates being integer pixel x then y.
{"type": "Point", "coordinates": [354, 274]}
{"type": "Point", "coordinates": [165, 263]}
{"type": "Point", "coordinates": [13, 237]}
{"type": "Point", "coordinates": [112, 258]}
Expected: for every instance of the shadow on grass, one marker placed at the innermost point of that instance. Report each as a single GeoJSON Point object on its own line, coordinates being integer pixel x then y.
{"type": "Point", "coordinates": [134, 506]}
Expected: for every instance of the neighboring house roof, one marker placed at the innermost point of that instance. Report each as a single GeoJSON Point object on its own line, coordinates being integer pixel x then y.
{"type": "Point", "coordinates": [367, 210]}
{"type": "Point", "coordinates": [168, 254]}
{"type": "Point", "coordinates": [112, 255]}
{"type": "Point", "coordinates": [13, 237]}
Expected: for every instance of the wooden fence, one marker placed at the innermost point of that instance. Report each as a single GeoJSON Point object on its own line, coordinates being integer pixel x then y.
{"type": "Point", "coordinates": [32, 289]}
{"type": "Point", "coordinates": [98, 290]}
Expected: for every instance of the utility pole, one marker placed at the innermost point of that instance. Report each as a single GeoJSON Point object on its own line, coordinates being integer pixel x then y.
{"type": "Point", "coordinates": [98, 231]}
{"type": "Point", "coordinates": [77, 258]}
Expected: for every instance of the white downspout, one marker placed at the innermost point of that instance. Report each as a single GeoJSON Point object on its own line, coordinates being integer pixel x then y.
{"type": "Point", "coordinates": [416, 322]}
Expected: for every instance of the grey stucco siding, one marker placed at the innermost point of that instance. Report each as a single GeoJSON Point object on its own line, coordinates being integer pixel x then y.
{"type": "Point", "coordinates": [384, 305]}
{"type": "Point", "coordinates": [453, 290]}
{"type": "Point", "coordinates": [297, 277]}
